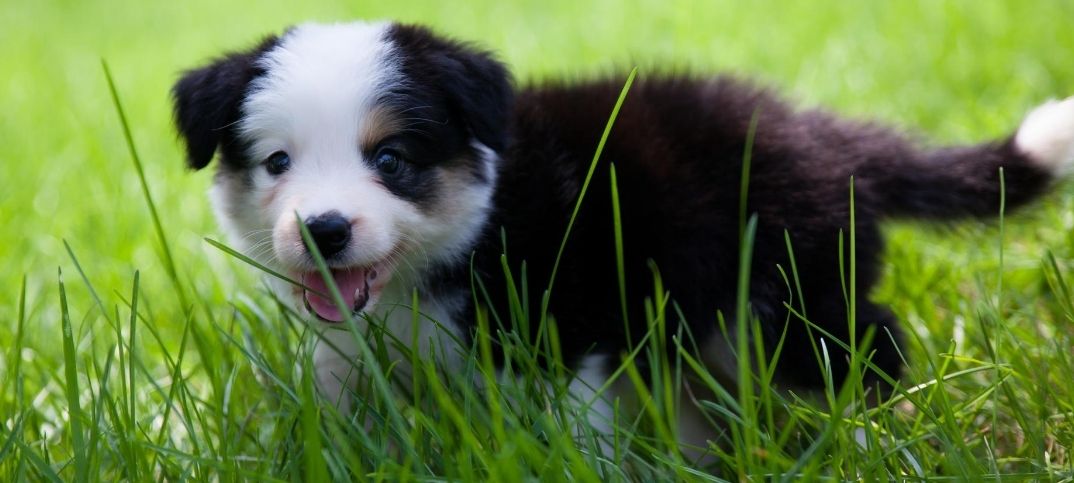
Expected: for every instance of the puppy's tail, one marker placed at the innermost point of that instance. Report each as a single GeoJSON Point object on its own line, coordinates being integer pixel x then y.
{"type": "Point", "coordinates": [964, 181]}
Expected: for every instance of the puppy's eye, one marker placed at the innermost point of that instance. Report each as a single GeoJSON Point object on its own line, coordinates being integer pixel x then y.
{"type": "Point", "coordinates": [388, 161]}
{"type": "Point", "coordinates": [277, 163]}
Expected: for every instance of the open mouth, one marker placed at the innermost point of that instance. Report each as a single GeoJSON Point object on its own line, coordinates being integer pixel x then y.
{"type": "Point", "coordinates": [357, 285]}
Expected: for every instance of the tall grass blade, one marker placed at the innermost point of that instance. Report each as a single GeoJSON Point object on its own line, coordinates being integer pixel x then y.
{"type": "Point", "coordinates": [132, 393]}
{"type": "Point", "coordinates": [372, 367]}
{"type": "Point", "coordinates": [617, 225]}
{"type": "Point", "coordinates": [15, 375]}
{"type": "Point", "coordinates": [746, 458]}
{"type": "Point", "coordinates": [585, 187]}
{"type": "Point", "coordinates": [258, 265]}
{"type": "Point", "coordinates": [74, 406]}
{"type": "Point", "coordinates": [166, 252]}
{"type": "Point", "coordinates": [744, 183]}
{"type": "Point", "coordinates": [85, 280]}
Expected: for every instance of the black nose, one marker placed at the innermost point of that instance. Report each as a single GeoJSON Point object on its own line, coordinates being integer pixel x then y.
{"type": "Point", "coordinates": [331, 232]}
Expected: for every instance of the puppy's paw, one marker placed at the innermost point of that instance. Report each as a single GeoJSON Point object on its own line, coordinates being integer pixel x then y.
{"type": "Point", "coordinates": [1047, 136]}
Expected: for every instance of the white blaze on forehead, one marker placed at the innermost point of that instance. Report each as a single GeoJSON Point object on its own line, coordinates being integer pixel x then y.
{"type": "Point", "coordinates": [320, 82]}
{"type": "Point", "coordinates": [319, 86]}
{"type": "Point", "coordinates": [317, 100]}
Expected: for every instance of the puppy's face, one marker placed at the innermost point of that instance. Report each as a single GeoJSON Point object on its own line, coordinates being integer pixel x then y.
{"type": "Point", "coordinates": [381, 138]}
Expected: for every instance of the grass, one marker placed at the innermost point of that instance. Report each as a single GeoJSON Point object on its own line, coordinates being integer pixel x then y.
{"type": "Point", "coordinates": [155, 355]}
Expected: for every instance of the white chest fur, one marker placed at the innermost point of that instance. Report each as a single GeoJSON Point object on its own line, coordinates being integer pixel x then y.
{"type": "Point", "coordinates": [397, 332]}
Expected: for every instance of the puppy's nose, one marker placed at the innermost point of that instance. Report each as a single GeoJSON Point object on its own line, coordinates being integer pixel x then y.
{"type": "Point", "coordinates": [331, 232]}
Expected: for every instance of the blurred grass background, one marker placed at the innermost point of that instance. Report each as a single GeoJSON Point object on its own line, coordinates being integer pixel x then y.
{"type": "Point", "coordinates": [953, 71]}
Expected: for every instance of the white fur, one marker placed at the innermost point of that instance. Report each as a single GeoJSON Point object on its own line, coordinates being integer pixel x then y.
{"type": "Point", "coordinates": [336, 355]}
{"type": "Point", "coordinates": [596, 408]}
{"type": "Point", "coordinates": [313, 103]}
{"type": "Point", "coordinates": [1047, 135]}
{"type": "Point", "coordinates": [695, 430]}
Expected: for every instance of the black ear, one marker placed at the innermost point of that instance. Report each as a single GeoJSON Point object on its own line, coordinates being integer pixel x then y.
{"type": "Point", "coordinates": [208, 99]}
{"type": "Point", "coordinates": [477, 86]}
{"type": "Point", "coordinates": [480, 89]}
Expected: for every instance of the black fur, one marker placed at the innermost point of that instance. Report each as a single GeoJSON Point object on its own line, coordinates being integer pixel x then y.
{"type": "Point", "coordinates": [476, 88]}
{"type": "Point", "coordinates": [414, 182]}
{"type": "Point", "coordinates": [453, 94]}
{"type": "Point", "coordinates": [678, 147]}
{"type": "Point", "coordinates": [207, 103]}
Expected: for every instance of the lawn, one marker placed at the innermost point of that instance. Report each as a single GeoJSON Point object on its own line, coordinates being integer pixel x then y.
{"type": "Point", "coordinates": [200, 384]}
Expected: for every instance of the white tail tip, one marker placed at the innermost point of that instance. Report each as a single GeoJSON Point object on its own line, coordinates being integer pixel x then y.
{"type": "Point", "coordinates": [1047, 135]}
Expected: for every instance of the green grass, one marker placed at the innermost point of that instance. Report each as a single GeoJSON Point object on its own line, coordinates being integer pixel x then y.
{"type": "Point", "coordinates": [157, 355]}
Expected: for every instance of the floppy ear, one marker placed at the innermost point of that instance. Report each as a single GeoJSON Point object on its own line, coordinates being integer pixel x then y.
{"type": "Point", "coordinates": [480, 89]}
{"type": "Point", "coordinates": [477, 86]}
{"type": "Point", "coordinates": [208, 99]}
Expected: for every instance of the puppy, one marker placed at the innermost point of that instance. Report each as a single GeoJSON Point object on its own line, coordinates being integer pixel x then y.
{"type": "Point", "coordinates": [415, 164]}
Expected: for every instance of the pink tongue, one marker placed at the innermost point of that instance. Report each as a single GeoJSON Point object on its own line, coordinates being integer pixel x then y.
{"type": "Point", "coordinates": [348, 281]}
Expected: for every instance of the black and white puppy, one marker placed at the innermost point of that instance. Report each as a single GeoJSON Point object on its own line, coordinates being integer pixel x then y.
{"type": "Point", "coordinates": [407, 154]}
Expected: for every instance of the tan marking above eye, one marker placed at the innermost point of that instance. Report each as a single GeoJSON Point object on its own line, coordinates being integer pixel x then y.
{"type": "Point", "coordinates": [377, 125]}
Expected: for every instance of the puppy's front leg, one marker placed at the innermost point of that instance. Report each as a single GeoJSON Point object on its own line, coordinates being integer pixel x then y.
{"type": "Point", "coordinates": [335, 368]}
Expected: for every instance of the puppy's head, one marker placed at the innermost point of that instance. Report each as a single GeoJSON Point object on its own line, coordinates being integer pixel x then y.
{"type": "Point", "coordinates": [382, 138]}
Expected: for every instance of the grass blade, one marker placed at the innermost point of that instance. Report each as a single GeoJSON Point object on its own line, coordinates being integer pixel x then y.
{"type": "Point", "coordinates": [585, 187]}
{"type": "Point", "coordinates": [70, 369]}
{"type": "Point", "coordinates": [374, 369]}
{"type": "Point", "coordinates": [254, 263]}
{"type": "Point", "coordinates": [617, 225]}
{"type": "Point", "coordinates": [747, 161]}
{"type": "Point", "coordinates": [166, 252]}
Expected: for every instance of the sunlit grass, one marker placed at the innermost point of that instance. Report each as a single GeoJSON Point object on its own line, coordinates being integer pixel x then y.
{"type": "Point", "coordinates": [135, 369]}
